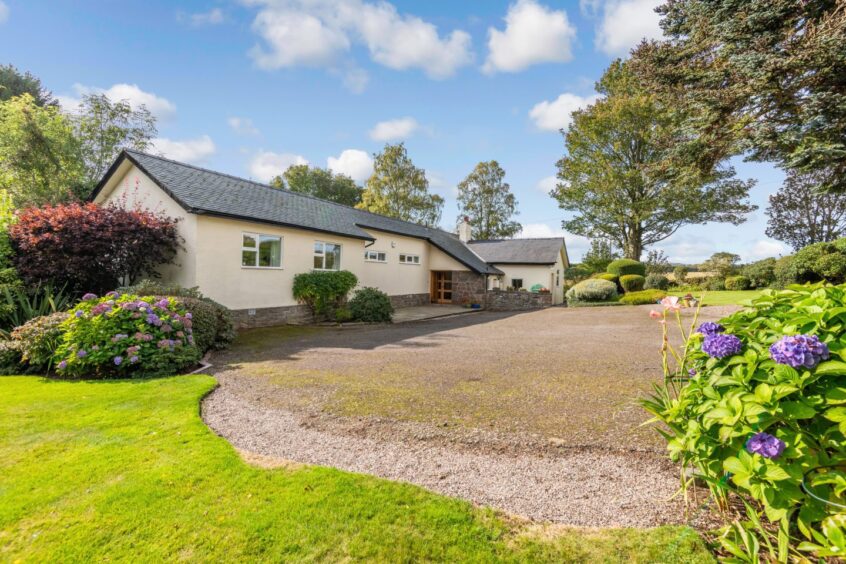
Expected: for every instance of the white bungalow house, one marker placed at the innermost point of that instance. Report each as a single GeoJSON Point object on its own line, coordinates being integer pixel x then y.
{"type": "Point", "coordinates": [244, 242]}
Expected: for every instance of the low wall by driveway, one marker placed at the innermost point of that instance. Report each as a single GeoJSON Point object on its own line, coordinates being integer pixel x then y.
{"type": "Point", "coordinates": [501, 300]}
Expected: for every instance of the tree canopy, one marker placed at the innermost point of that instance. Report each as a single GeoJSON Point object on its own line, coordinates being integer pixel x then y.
{"type": "Point", "coordinates": [800, 215]}
{"type": "Point", "coordinates": [104, 128]}
{"type": "Point", "coordinates": [760, 78]}
{"type": "Point", "coordinates": [399, 189]}
{"type": "Point", "coordinates": [487, 200]}
{"type": "Point", "coordinates": [40, 157]}
{"type": "Point", "coordinates": [321, 183]}
{"type": "Point", "coordinates": [15, 83]}
{"type": "Point", "coordinates": [599, 255]}
{"type": "Point", "coordinates": [623, 179]}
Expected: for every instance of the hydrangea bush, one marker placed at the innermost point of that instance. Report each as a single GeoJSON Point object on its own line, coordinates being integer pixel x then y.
{"type": "Point", "coordinates": [756, 404]}
{"type": "Point", "coordinates": [126, 336]}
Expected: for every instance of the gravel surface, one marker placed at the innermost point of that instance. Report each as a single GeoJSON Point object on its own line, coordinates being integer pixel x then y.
{"type": "Point", "coordinates": [582, 488]}
{"type": "Point", "coordinates": [533, 414]}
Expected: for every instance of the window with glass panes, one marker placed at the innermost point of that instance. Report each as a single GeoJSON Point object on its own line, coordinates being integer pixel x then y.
{"type": "Point", "coordinates": [327, 256]}
{"type": "Point", "coordinates": [261, 251]}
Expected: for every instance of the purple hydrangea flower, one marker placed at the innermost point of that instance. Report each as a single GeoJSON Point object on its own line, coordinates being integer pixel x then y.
{"type": "Point", "coordinates": [129, 306]}
{"type": "Point", "coordinates": [188, 315]}
{"type": "Point", "coordinates": [710, 328]}
{"type": "Point", "coordinates": [721, 345]}
{"type": "Point", "coordinates": [165, 343]}
{"type": "Point", "coordinates": [133, 349]}
{"type": "Point", "coordinates": [118, 360]}
{"type": "Point", "coordinates": [166, 328]}
{"type": "Point", "coordinates": [89, 296]}
{"type": "Point", "coordinates": [81, 353]}
{"type": "Point", "coordinates": [691, 372]}
{"type": "Point", "coordinates": [153, 319]}
{"type": "Point", "coordinates": [163, 303]}
{"type": "Point", "coordinates": [112, 294]}
{"type": "Point", "coordinates": [63, 365]}
{"type": "Point", "coordinates": [119, 337]}
{"type": "Point", "coordinates": [79, 313]}
{"type": "Point", "coordinates": [799, 350]}
{"type": "Point", "coordinates": [766, 445]}
{"type": "Point", "coordinates": [133, 359]}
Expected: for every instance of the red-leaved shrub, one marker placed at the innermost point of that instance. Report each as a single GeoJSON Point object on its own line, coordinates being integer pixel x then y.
{"type": "Point", "coordinates": [91, 248]}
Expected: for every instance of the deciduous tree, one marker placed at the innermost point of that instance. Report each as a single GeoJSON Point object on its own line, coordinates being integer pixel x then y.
{"type": "Point", "coordinates": [40, 157]}
{"type": "Point", "coordinates": [621, 175]}
{"type": "Point", "coordinates": [599, 255]}
{"type": "Point", "coordinates": [486, 199]}
{"type": "Point", "coordinates": [399, 189]}
{"type": "Point", "coordinates": [104, 128]}
{"type": "Point", "coordinates": [800, 215]}
{"type": "Point", "coordinates": [320, 183]}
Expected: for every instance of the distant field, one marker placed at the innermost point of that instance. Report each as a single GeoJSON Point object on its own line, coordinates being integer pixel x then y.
{"type": "Point", "coordinates": [724, 297]}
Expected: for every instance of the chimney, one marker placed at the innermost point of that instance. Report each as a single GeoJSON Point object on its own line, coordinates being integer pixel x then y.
{"type": "Point", "coordinates": [465, 232]}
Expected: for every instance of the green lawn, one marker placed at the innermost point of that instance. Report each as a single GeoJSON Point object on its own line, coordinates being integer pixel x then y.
{"type": "Point", "coordinates": [725, 297]}
{"type": "Point", "coordinates": [126, 470]}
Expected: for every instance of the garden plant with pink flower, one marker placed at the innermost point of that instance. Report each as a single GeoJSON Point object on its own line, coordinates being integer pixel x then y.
{"type": "Point", "coordinates": [120, 336]}
{"type": "Point", "coordinates": [755, 406]}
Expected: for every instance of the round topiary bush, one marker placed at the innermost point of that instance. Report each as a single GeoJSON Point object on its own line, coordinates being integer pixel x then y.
{"type": "Point", "coordinates": [126, 336]}
{"type": "Point", "coordinates": [656, 282]}
{"type": "Point", "coordinates": [38, 340]}
{"type": "Point", "coordinates": [607, 276]}
{"type": "Point", "coordinates": [632, 282]}
{"type": "Point", "coordinates": [738, 283]}
{"type": "Point", "coordinates": [371, 305]}
{"type": "Point", "coordinates": [622, 267]}
{"type": "Point", "coordinates": [593, 290]}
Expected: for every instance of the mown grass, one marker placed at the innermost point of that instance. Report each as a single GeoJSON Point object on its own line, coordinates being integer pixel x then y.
{"type": "Point", "coordinates": [723, 297]}
{"type": "Point", "coordinates": [127, 471]}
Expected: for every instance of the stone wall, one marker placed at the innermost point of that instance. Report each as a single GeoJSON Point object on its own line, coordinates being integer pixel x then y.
{"type": "Point", "coordinates": [500, 300]}
{"type": "Point", "coordinates": [270, 316]}
{"type": "Point", "coordinates": [468, 287]}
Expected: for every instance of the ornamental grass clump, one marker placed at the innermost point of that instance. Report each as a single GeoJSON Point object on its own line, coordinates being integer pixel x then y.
{"type": "Point", "coordinates": [755, 405]}
{"type": "Point", "coordinates": [126, 335]}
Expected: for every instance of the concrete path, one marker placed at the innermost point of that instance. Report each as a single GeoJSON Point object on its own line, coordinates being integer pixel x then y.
{"type": "Point", "coordinates": [419, 313]}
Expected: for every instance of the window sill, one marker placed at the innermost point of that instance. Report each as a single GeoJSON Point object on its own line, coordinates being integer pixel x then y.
{"type": "Point", "coordinates": [327, 269]}
{"type": "Point", "coordinates": [410, 263]}
{"type": "Point", "coordinates": [262, 268]}
{"type": "Point", "coordinates": [377, 261]}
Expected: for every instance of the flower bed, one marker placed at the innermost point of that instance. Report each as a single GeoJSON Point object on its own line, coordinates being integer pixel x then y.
{"type": "Point", "coordinates": [125, 336]}
{"type": "Point", "coordinates": [757, 405]}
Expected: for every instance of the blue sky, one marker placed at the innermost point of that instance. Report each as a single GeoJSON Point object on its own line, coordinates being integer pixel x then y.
{"type": "Point", "coordinates": [249, 87]}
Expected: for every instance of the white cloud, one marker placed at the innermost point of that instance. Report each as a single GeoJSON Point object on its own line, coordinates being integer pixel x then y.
{"type": "Point", "coordinates": [533, 34]}
{"type": "Point", "coordinates": [320, 32]}
{"type": "Point", "coordinates": [354, 163]}
{"type": "Point", "coordinates": [186, 151]}
{"type": "Point", "coordinates": [212, 17]}
{"type": "Point", "coordinates": [394, 129]}
{"type": "Point", "coordinates": [267, 164]}
{"type": "Point", "coordinates": [764, 248]}
{"type": "Point", "coordinates": [4, 12]}
{"type": "Point", "coordinates": [555, 115]}
{"type": "Point", "coordinates": [547, 184]}
{"type": "Point", "coordinates": [242, 126]}
{"type": "Point", "coordinates": [160, 107]}
{"type": "Point", "coordinates": [624, 23]}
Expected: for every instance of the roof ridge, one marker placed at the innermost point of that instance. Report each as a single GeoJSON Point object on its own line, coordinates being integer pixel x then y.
{"type": "Point", "coordinates": [268, 187]}
{"type": "Point", "coordinates": [517, 239]}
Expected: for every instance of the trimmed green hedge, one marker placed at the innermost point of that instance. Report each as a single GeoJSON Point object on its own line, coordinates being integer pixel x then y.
{"type": "Point", "coordinates": [656, 282]}
{"type": "Point", "coordinates": [622, 267]}
{"type": "Point", "coordinates": [738, 283]}
{"type": "Point", "coordinates": [632, 282]}
{"type": "Point", "coordinates": [323, 291]}
{"type": "Point", "coordinates": [643, 297]}
{"type": "Point", "coordinates": [371, 305]}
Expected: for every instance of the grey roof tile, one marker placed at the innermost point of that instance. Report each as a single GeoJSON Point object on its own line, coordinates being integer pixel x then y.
{"type": "Point", "coordinates": [519, 251]}
{"type": "Point", "coordinates": [203, 191]}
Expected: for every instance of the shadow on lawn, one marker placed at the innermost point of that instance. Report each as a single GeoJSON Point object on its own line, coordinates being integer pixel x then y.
{"type": "Point", "coordinates": [286, 341]}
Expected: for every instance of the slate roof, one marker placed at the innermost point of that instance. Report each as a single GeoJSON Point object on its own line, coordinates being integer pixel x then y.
{"type": "Point", "coordinates": [203, 191]}
{"type": "Point", "coordinates": [519, 251]}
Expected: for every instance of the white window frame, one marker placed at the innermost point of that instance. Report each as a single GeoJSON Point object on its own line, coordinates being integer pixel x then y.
{"type": "Point", "coordinates": [403, 259]}
{"type": "Point", "coordinates": [322, 254]}
{"type": "Point", "coordinates": [367, 258]}
{"type": "Point", "coordinates": [257, 237]}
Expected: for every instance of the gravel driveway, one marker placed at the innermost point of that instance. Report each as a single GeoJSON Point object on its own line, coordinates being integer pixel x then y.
{"type": "Point", "coordinates": [531, 413]}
